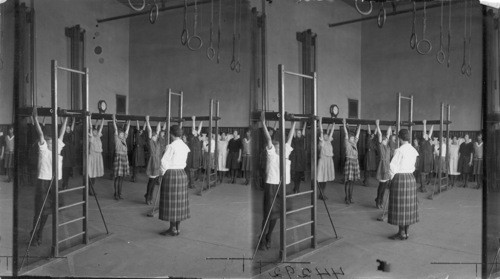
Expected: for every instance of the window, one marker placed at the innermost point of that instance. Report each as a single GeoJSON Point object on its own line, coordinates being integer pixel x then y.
{"type": "Point", "coordinates": [121, 104]}
{"type": "Point", "coordinates": [307, 40]}
{"type": "Point", "coordinates": [353, 108]}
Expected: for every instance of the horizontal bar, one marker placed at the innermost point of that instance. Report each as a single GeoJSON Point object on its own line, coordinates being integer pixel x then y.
{"type": "Point", "coordinates": [300, 209]}
{"type": "Point", "coordinates": [329, 120]}
{"type": "Point", "coordinates": [200, 118]}
{"type": "Point", "coordinates": [76, 235]}
{"type": "Point", "coordinates": [300, 241]}
{"type": "Point", "coordinates": [387, 15]}
{"type": "Point", "coordinates": [71, 221]}
{"type": "Point", "coordinates": [299, 75]}
{"type": "Point", "coordinates": [407, 98]}
{"type": "Point", "coordinates": [108, 116]}
{"type": "Point", "coordinates": [300, 225]}
{"type": "Point", "coordinates": [71, 205]}
{"type": "Point", "coordinates": [299, 194]}
{"type": "Point", "coordinates": [147, 11]}
{"type": "Point", "coordinates": [175, 93]}
{"type": "Point", "coordinates": [71, 189]}
{"type": "Point", "coordinates": [274, 116]}
{"type": "Point", "coordinates": [429, 122]}
{"type": "Point", "coordinates": [71, 70]}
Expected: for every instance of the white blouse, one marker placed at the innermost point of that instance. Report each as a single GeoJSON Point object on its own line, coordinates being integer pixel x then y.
{"type": "Point", "coordinates": [403, 160]}
{"type": "Point", "coordinates": [175, 156]}
{"type": "Point", "coordinates": [273, 165]}
{"type": "Point", "coordinates": [45, 161]}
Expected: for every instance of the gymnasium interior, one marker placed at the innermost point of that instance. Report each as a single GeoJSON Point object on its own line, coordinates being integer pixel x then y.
{"type": "Point", "coordinates": [223, 64]}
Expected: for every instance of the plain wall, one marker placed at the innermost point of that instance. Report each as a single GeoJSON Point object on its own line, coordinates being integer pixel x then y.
{"type": "Point", "coordinates": [7, 69]}
{"type": "Point", "coordinates": [159, 61]}
{"type": "Point", "coordinates": [106, 79]}
{"type": "Point", "coordinates": [338, 53]}
{"type": "Point", "coordinates": [389, 66]}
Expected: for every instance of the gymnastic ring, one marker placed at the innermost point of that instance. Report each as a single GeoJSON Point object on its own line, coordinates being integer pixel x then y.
{"type": "Point", "coordinates": [184, 37]}
{"type": "Point", "coordinates": [210, 53]}
{"type": "Point", "coordinates": [152, 19]}
{"type": "Point", "coordinates": [237, 67]}
{"type": "Point", "coordinates": [381, 12]}
{"type": "Point", "coordinates": [413, 40]}
{"type": "Point", "coordinates": [137, 9]}
{"type": "Point", "coordinates": [233, 64]}
{"type": "Point", "coordinates": [468, 71]}
{"type": "Point", "coordinates": [464, 68]}
{"type": "Point", "coordinates": [360, 11]}
{"type": "Point", "coordinates": [419, 49]}
{"type": "Point", "coordinates": [441, 56]}
{"type": "Point", "coordinates": [196, 37]}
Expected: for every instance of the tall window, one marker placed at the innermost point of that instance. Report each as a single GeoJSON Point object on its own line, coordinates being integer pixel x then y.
{"type": "Point", "coordinates": [353, 108]}
{"type": "Point", "coordinates": [76, 36]}
{"type": "Point", "coordinates": [308, 44]}
{"type": "Point", "coordinates": [121, 104]}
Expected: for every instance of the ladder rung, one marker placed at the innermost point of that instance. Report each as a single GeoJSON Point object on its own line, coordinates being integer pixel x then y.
{"type": "Point", "coordinates": [71, 205]}
{"type": "Point", "coordinates": [300, 209]}
{"type": "Point", "coordinates": [301, 225]}
{"type": "Point", "coordinates": [71, 189]}
{"type": "Point", "coordinates": [73, 236]}
{"type": "Point", "coordinates": [71, 221]}
{"type": "Point", "coordinates": [299, 194]}
{"type": "Point", "coordinates": [302, 240]}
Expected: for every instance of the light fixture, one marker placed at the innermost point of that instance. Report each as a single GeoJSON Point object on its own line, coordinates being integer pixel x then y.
{"type": "Point", "coordinates": [334, 111]}
{"type": "Point", "coordinates": [491, 3]}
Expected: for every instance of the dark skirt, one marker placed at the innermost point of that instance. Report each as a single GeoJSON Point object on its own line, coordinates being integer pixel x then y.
{"type": "Point", "coordinates": [351, 169]}
{"type": "Point", "coordinates": [208, 157]}
{"type": "Point", "coordinates": [463, 165]}
{"type": "Point", "coordinates": [8, 160]}
{"type": "Point", "coordinates": [174, 201]}
{"type": "Point", "coordinates": [232, 161]}
{"type": "Point", "coordinates": [478, 166]}
{"type": "Point", "coordinates": [120, 165]}
{"type": "Point", "coordinates": [403, 207]}
{"type": "Point", "coordinates": [371, 160]}
{"type": "Point", "coordinates": [246, 162]}
{"type": "Point", "coordinates": [299, 160]}
{"type": "Point", "coordinates": [383, 171]}
{"type": "Point", "coordinates": [139, 157]}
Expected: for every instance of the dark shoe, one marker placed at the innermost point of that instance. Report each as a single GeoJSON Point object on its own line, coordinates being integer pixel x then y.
{"type": "Point", "coordinates": [116, 197]}
{"type": "Point", "coordinates": [268, 243]}
{"type": "Point", "coordinates": [262, 245]}
{"type": "Point", "coordinates": [132, 179]}
{"type": "Point", "coordinates": [120, 197]}
{"type": "Point", "coordinates": [169, 232]}
{"type": "Point", "coordinates": [405, 237]}
{"type": "Point", "coordinates": [346, 201]}
{"type": "Point", "coordinates": [380, 219]}
{"type": "Point", "coordinates": [397, 236]}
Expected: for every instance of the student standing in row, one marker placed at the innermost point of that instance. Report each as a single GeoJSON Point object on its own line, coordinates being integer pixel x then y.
{"type": "Point", "coordinates": [351, 168]}
{"type": "Point", "coordinates": [120, 164]}
{"type": "Point", "coordinates": [222, 157]}
{"type": "Point", "coordinates": [478, 161]}
{"type": "Point", "coordinates": [95, 164]}
{"type": "Point", "coordinates": [138, 155]}
{"type": "Point", "coordinates": [383, 170]}
{"type": "Point", "coordinates": [68, 153]}
{"type": "Point", "coordinates": [194, 157]}
{"type": "Point", "coordinates": [273, 178]}
{"type": "Point", "coordinates": [7, 154]}
{"type": "Point", "coordinates": [326, 168]}
{"type": "Point", "coordinates": [153, 167]}
{"type": "Point", "coordinates": [466, 153]}
{"type": "Point", "coordinates": [453, 164]}
{"type": "Point", "coordinates": [45, 177]}
{"type": "Point", "coordinates": [370, 155]}
{"type": "Point", "coordinates": [298, 158]}
{"type": "Point", "coordinates": [425, 157]}
{"type": "Point", "coordinates": [234, 155]}
{"type": "Point", "coordinates": [246, 155]}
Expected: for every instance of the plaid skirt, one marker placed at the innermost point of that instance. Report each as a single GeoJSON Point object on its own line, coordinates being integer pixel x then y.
{"type": "Point", "coordinates": [403, 207]}
{"type": "Point", "coordinates": [120, 165]}
{"type": "Point", "coordinates": [8, 160]}
{"type": "Point", "coordinates": [246, 162]}
{"type": "Point", "coordinates": [174, 202]}
{"type": "Point", "coordinates": [351, 169]}
{"type": "Point", "coordinates": [478, 166]}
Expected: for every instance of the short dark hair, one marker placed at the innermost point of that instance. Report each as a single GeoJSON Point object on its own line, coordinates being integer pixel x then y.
{"type": "Point", "coordinates": [404, 135]}
{"type": "Point", "coordinates": [176, 131]}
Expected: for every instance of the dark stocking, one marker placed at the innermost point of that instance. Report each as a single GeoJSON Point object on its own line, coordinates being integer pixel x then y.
{"type": "Point", "coordinates": [272, 224]}
{"type": "Point", "coordinates": [296, 185]}
{"type": "Point", "coordinates": [149, 190]}
{"type": "Point", "coordinates": [351, 188]}
{"type": "Point", "coordinates": [115, 185]}
{"type": "Point", "coordinates": [380, 193]}
{"type": "Point", "coordinates": [346, 190]}
{"type": "Point", "coordinates": [466, 179]}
